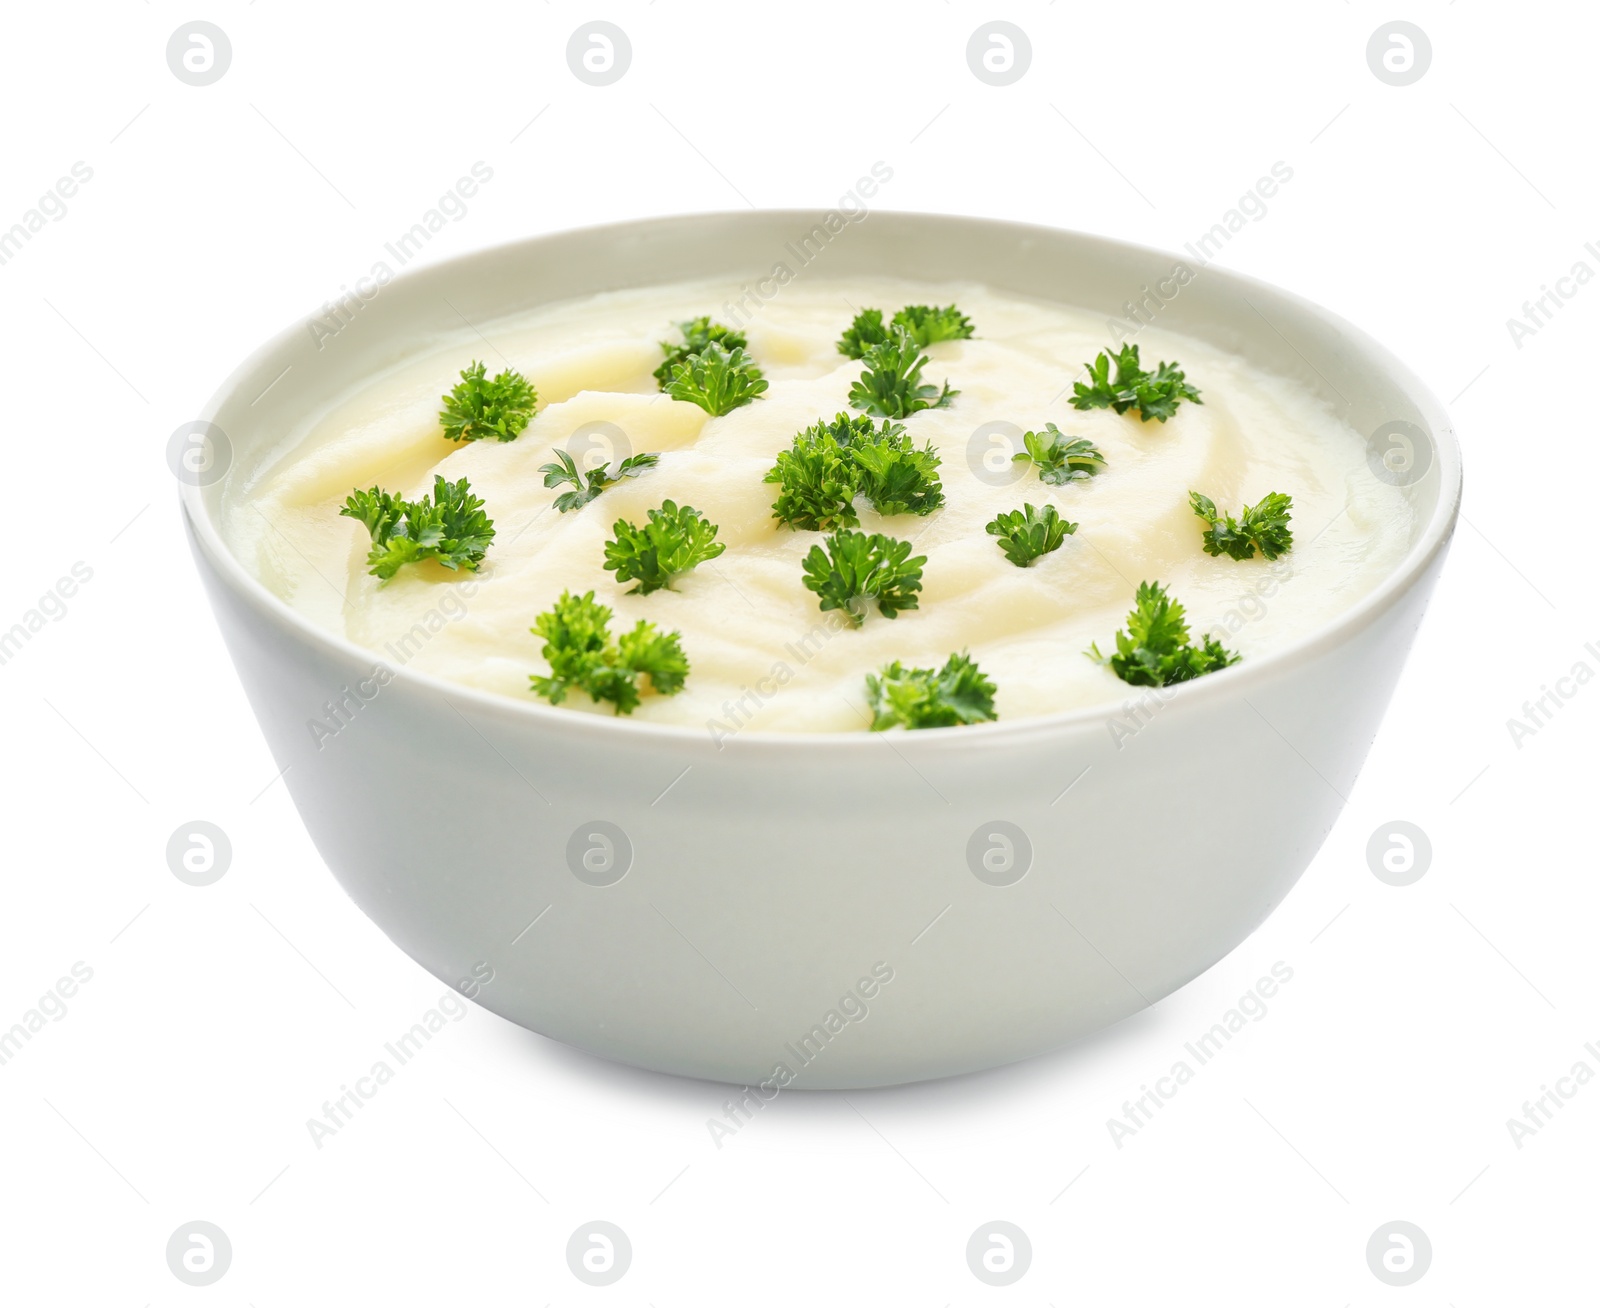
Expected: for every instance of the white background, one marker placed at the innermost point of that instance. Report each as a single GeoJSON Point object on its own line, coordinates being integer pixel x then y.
{"type": "Point", "coordinates": [1377, 1087]}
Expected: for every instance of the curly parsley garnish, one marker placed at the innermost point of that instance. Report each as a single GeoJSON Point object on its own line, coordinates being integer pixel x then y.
{"type": "Point", "coordinates": [697, 334]}
{"type": "Point", "coordinates": [582, 655]}
{"type": "Point", "coordinates": [952, 696]}
{"type": "Point", "coordinates": [850, 571]}
{"type": "Point", "coordinates": [1155, 394]}
{"type": "Point", "coordinates": [928, 324]}
{"type": "Point", "coordinates": [924, 323]}
{"type": "Point", "coordinates": [1060, 459]}
{"type": "Point", "coordinates": [897, 477]}
{"type": "Point", "coordinates": [1155, 650]}
{"type": "Point", "coordinates": [674, 540]}
{"type": "Point", "coordinates": [819, 476]}
{"type": "Point", "coordinates": [478, 407]}
{"type": "Point", "coordinates": [450, 527]}
{"type": "Point", "coordinates": [1024, 535]}
{"type": "Point", "coordinates": [864, 331]}
{"type": "Point", "coordinates": [718, 380]}
{"type": "Point", "coordinates": [891, 386]}
{"type": "Point", "coordinates": [830, 463]}
{"type": "Point", "coordinates": [1263, 526]}
{"type": "Point", "coordinates": [587, 485]}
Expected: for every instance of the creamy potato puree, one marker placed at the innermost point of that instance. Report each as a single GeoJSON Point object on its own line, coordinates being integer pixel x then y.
{"type": "Point", "coordinates": [754, 635]}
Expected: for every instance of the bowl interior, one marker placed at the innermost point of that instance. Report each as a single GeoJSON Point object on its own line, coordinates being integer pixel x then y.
{"type": "Point", "coordinates": [271, 395]}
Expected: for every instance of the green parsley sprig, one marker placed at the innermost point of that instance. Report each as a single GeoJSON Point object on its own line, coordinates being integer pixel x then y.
{"type": "Point", "coordinates": [955, 695]}
{"type": "Point", "coordinates": [1263, 526]}
{"type": "Point", "coordinates": [479, 407]}
{"type": "Point", "coordinates": [1060, 458]}
{"type": "Point", "coordinates": [866, 329]}
{"type": "Point", "coordinates": [582, 655]}
{"type": "Point", "coordinates": [718, 380]}
{"type": "Point", "coordinates": [831, 463]}
{"type": "Point", "coordinates": [891, 385]}
{"type": "Point", "coordinates": [850, 571]}
{"type": "Point", "coordinates": [1024, 535]}
{"type": "Point", "coordinates": [1155, 650]}
{"type": "Point", "coordinates": [819, 476]}
{"type": "Point", "coordinates": [896, 476]}
{"type": "Point", "coordinates": [928, 324]}
{"type": "Point", "coordinates": [587, 485]}
{"type": "Point", "coordinates": [449, 527]}
{"type": "Point", "coordinates": [674, 540]}
{"type": "Point", "coordinates": [924, 323]}
{"type": "Point", "coordinates": [1155, 394]}
{"type": "Point", "coordinates": [697, 334]}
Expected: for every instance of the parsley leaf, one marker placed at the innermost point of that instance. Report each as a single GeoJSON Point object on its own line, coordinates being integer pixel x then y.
{"type": "Point", "coordinates": [1156, 650]}
{"type": "Point", "coordinates": [928, 324]}
{"type": "Point", "coordinates": [895, 476]}
{"type": "Point", "coordinates": [1024, 535]}
{"type": "Point", "coordinates": [952, 696]}
{"type": "Point", "coordinates": [1263, 526]}
{"type": "Point", "coordinates": [864, 331]}
{"type": "Point", "coordinates": [819, 476]}
{"type": "Point", "coordinates": [892, 385]}
{"type": "Point", "coordinates": [582, 655]}
{"type": "Point", "coordinates": [697, 334]}
{"type": "Point", "coordinates": [1059, 458]}
{"type": "Point", "coordinates": [924, 323]}
{"type": "Point", "coordinates": [673, 541]}
{"type": "Point", "coordinates": [830, 463]}
{"type": "Point", "coordinates": [855, 570]}
{"type": "Point", "coordinates": [717, 380]}
{"type": "Point", "coordinates": [587, 485]}
{"type": "Point", "coordinates": [1156, 394]}
{"type": "Point", "coordinates": [478, 407]}
{"type": "Point", "coordinates": [450, 527]}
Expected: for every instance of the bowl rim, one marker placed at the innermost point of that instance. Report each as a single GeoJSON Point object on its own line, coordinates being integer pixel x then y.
{"type": "Point", "coordinates": [548, 718]}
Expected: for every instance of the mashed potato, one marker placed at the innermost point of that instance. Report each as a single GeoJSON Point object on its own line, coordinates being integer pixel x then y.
{"type": "Point", "coordinates": [762, 653]}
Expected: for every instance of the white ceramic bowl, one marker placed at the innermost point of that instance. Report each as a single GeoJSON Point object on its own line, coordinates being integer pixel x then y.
{"type": "Point", "coordinates": [775, 896]}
